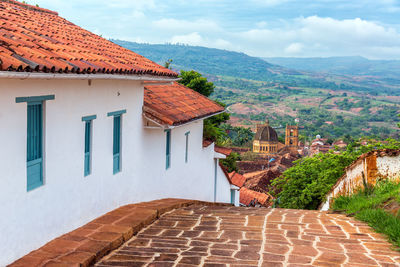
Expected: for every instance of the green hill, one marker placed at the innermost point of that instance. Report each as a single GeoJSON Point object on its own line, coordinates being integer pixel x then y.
{"type": "Point", "coordinates": [205, 60]}
{"type": "Point", "coordinates": [342, 65]}
{"type": "Point", "coordinates": [314, 73]}
{"type": "Point", "coordinates": [327, 102]}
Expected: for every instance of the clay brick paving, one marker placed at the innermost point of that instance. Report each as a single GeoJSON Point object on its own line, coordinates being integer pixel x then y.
{"type": "Point", "coordinates": [229, 236]}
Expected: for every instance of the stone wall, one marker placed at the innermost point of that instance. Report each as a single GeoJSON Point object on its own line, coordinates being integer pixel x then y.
{"type": "Point", "coordinates": [368, 168]}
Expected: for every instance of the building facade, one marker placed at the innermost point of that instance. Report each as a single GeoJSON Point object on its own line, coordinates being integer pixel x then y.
{"type": "Point", "coordinates": [265, 140]}
{"type": "Point", "coordinates": [81, 135]}
{"type": "Point", "coordinates": [292, 137]}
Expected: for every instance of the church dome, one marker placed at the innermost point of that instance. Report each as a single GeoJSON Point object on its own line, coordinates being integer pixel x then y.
{"type": "Point", "coordinates": [266, 133]}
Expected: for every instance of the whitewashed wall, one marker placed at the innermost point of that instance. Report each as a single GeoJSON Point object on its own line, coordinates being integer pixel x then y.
{"type": "Point", "coordinates": [385, 166]}
{"type": "Point", "coordinates": [223, 187]}
{"type": "Point", "coordinates": [389, 166]}
{"type": "Point", "coordinates": [67, 199]}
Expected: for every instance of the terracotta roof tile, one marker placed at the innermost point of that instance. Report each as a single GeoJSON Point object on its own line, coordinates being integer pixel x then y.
{"type": "Point", "coordinates": [223, 150]}
{"type": "Point", "coordinates": [206, 143]}
{"type": "Point", "coordinates": [247, 195]}
{"type": "Point", "coordinates": [37, 39]}
{"type": "Point", "coordinates": [175, 104]}
{"type": "Point", "coordinates": [237, 179]}
{"type": "Point", "coordinates": [225, 172]}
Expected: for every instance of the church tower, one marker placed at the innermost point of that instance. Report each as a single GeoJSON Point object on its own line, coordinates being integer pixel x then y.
{"type": "Point", "coordinates": [292, 136]}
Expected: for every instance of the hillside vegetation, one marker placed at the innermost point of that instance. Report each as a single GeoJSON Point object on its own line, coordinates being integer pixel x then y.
{"type": "Point", "coordinates": [378, 206]}
{"type": "Point", "coordinates": [330, 104]}
{"type": "Point", "coordinates": [204, 60]}
{"type": "Point", "coordinates": [305, 185]}
{"type": "Point", "coordinates": [342, 65]}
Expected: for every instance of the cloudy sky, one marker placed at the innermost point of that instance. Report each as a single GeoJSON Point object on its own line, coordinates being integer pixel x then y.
{"type": "Point", "coordinates": [264, 28]}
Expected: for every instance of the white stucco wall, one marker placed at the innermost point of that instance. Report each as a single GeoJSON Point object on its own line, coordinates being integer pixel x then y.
{"type": "Point", "coordinates": [389, 166]}
{"type": "Point", "coordinates": [386, 166]}
{"type": "Point", "coordinates": [67, 199]}
{"type": "Point", "coordinates": [223, 187]}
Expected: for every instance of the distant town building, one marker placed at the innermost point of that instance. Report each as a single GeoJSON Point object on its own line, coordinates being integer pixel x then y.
{"type": "Point", "coordinates": [340, 144]}
{"type": "Point", "coordinates": [319, 145]}
{"type": "Point", "coordinates": [266, 139]}
{"type": "Point", "coordinates": [292, 137]}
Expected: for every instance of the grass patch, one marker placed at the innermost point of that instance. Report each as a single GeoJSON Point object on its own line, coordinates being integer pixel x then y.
{"type": "Point", "coordinates": [377, 206]}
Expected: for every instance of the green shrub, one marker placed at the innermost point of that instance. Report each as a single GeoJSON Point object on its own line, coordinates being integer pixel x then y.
{"type": "Point", "coordinates": [305, 185]}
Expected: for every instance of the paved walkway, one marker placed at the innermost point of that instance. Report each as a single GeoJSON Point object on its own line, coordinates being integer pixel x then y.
{"type": "Point", "coordinates": [227, 236]}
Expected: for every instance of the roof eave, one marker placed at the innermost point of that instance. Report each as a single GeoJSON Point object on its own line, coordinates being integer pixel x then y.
{"type": "Point", "coordinates": [168, 126]}
{"type": "Point", "coordinates": [63, 76]}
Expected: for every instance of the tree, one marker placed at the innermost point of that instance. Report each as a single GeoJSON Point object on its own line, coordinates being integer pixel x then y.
{"type": "Point", "coordinates": [168, 63]}
{"type": "Point", "coordinates": [197, 82]}
{"type": "Point", "coordinates": [305, 185]}
{"type": "Point", "coordinates": [230, 162]}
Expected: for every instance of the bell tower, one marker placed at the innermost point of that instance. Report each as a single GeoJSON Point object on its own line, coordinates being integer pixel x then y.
{"type": "Point", "coordinates": [292, 136]}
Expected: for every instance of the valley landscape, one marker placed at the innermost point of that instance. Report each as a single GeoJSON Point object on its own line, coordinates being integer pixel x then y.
{"type": "Point", "coordinates": [332, 97]}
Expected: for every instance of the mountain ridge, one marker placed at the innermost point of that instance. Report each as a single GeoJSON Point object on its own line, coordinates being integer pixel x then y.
{"type": "Point", "coordinates": [344, 65]}
{"type": "Point", "coordinates": [214, 62]}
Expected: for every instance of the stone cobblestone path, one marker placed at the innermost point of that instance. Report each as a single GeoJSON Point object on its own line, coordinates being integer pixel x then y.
{"type": "Point", "coordinates": [229, 236]}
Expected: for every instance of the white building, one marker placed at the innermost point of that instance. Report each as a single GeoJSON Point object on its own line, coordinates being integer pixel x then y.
{"type": "Point", "coordinates": [79, 137]}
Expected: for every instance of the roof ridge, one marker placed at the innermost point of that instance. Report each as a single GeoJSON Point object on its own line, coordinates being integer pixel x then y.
{"type": "Point", "coordinates": [30, 7]}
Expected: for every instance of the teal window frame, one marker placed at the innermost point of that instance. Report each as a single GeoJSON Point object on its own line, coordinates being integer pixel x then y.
{"type": "Point", "coordinates": [167, 149]}
{"type": "Point", "coordinates": [34, 159]}
{"type": "Point", "coordinates": [35, 139]}
{"type": "Point", "coordinates": [88, 120]}
{"type": "Point", "coordinates": [187, 146]}
{"type": "Point", "coordinates": [117, 136]}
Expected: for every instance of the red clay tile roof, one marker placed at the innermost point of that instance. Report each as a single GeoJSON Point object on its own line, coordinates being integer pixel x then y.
{"type": "Point", "coordinates": [237, 179]}
{"type": "Point", "coordinates": [225, 172]}
{"type": "Point", "coordinates": [223, 150]}
{"type": "Point", "coordinates": [247, 195]}
{"type": "Point", "coordinates": [37, 39]}
{"type": "Point", "coordinates": [206, 143]}
{"type": "Point", "coordinates": [175, 104]}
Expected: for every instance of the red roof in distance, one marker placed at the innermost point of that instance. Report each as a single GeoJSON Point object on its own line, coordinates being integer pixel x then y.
{"type": "Point", "coordinates": [237, 179]}
{"type": "Point", "coordinates": [223, 150]}
{"type": "Point", "coordinates": [37, 39]}
{"type": "Point", "coordinates": [247, 195]}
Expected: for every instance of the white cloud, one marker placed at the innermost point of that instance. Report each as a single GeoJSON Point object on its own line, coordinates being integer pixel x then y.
{"type": "Point", "coordinates": [185, 26]}
{"type": "Point", "coordinates": [294, 49]}
{"type": "Point", "coordinates": [317, 36]}
{"type": "Point", "coordinates": [193, 38]}
{"type": "Point", "coordinates": [137, 14]}
{"type": "Point", "coordinates": [269, 3]}
{"type": "Point", "coordinates": [261, 24]}
{"type": "Point", "coordinates": [257, 27]}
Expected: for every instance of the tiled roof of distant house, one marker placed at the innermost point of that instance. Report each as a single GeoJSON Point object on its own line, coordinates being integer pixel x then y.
{"type": "Point", "coordinates": [223, 150]}
{"type": "Point", "coordinates": [34, 39]}
{"type": "Point", "coordinates": [175, 104]}
{"type": "Point", "coordinates": [247, 195]}
{"type": "Point", "coordinates": [206, 143]}
{"type": "Point", "coordinates": [237, 179]}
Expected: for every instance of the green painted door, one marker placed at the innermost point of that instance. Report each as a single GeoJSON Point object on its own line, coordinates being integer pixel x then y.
{"type": "Point", "coordinates": [34, 145]}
